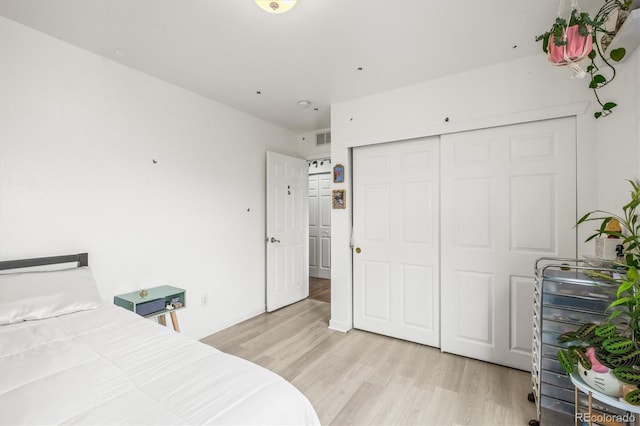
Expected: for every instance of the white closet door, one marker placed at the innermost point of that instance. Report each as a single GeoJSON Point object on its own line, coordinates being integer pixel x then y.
{"type": "Point", "coordinates": [314, 225]}
{"type": "Point", "coordinates": [324, 226]}
{"type": "Point", "coordinates": [320, 225]}
{"type": "Point", "coordinates": [508, 197]}
{"type": "Point", "coordinates": [395, 214]}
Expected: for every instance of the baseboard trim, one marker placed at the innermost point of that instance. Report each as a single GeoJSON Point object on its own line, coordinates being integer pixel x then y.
{"type": "Point", "coordinates": [339, 326]}
{"type": "Point", "coordinates": [237, 320]}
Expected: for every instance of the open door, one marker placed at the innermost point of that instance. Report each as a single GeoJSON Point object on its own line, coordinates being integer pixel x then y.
{"type": "Point", "coordinates": [287, 230]}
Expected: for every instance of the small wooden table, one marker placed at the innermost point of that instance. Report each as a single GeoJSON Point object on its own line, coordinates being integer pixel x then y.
{"type": "Point", "coordinates": [633, 411]}
{"type": "Point", "coordinates": [174, 319]}
{"type": "Point", "coordinates": [155, 303]}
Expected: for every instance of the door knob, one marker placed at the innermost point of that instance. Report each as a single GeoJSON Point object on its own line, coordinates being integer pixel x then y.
{"type": "Point", "coordinates": [273, 240]}
{"type": "Point", "coordinates": [358, 250]}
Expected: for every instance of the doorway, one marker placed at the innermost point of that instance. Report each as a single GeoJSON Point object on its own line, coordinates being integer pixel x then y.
{"type": "Point", "coordinates": [320, 229]}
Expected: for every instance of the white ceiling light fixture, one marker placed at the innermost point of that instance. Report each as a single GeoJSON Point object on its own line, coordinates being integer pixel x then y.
{"type": "Point", "coordinates": [304, 104]}
{"type": "Point", "coordinates": [276, 6]}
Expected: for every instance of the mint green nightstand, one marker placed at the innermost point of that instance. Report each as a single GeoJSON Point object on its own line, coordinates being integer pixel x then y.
{"type": "Point", "coordinates": [156, 303]}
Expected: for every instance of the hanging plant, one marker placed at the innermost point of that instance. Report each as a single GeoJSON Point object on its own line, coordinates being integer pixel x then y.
{"type": "Point", "coordinates": [566, 43]}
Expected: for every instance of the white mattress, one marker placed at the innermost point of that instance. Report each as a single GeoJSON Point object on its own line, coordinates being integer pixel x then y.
{"type": "Point", "coordinates": [110, 366]}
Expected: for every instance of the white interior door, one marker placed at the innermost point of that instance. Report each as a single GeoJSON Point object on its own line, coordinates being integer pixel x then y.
{"type": "Point", "coordinates": [396, 253]}
{"type": "Point", "coordinates": [508, 197]}
{"type": "Point", "coordinates": [320, 225]}
{"type": "Point", "coordinates": [287, 230]}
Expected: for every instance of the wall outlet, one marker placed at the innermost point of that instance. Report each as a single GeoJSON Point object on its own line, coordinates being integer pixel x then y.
{"type": "Point", "coordinates": [205, 300]}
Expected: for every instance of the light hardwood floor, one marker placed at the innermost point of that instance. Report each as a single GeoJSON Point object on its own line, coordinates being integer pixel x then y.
{"type": "Point", "coordinates": [366, 379]}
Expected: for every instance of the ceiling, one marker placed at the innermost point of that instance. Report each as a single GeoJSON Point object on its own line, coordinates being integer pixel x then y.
{"type": "Point", "coordinates": [322, 51]}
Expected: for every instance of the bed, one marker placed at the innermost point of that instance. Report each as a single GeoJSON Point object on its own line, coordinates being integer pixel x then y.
{"type": "Point", "coordinates": [66, 357]}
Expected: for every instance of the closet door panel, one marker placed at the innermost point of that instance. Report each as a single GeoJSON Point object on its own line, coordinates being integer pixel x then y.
{"type": "Point", "coordinates": [314, 225]}
{"type": "Point", "coordinates": [396, 240]}
{"type": "Point", "coordinates": [320, 225]}
{"type": "Point", "coordinates": [508, 197]}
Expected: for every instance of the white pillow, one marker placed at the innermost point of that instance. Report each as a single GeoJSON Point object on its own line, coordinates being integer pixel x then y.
{"type": "Point", "coordinates": [28, 296]}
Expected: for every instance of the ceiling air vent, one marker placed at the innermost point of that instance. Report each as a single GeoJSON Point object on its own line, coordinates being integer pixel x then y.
{"type": "Point", "coordinates": [323, 138]}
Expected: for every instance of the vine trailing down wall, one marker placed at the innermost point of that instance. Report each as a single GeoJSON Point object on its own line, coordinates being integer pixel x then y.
{"type": "Point", "coordinates": [575, 35]}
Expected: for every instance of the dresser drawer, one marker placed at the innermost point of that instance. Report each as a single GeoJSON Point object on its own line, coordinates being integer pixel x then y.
{"type": "Point", "coordinates": [557, 379]}
{"type": "Point", "coordinates": [570, 315]}
{"type": "Point", "coordinates": [602, 291]}
{"type": "Point", "coordinates": [576, 303]}
{"type": "Point", "coordinates": [551, 364]}
{"type": "Point", "coordinates": [557, 392]}
{"type": "Point", "coordinates": [555, 412]}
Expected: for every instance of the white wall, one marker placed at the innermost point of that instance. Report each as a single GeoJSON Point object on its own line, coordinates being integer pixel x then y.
{"type": "Point", "coordinates": [517, 91]}
{"type": "Point", "coordinates": [78, 134]}
{"type": "Point", "coordinates": [308, 149]}
{"type": "Point", "coordinates": [618, 147]}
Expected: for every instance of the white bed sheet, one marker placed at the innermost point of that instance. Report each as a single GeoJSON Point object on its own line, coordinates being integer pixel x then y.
{"type": "Point", "coordinates": [110, 366]}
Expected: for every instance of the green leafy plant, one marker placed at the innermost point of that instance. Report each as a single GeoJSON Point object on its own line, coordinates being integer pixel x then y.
{"type": "Point", "coordinates": [627, 302]}
{"type": "Point", "coordinates": [613, 350]}
{"type": "Point", "coordinates": [600, 75]}
{"type": "Point", "coordinates": [629, 222]}
{"type": "Point", "coordinates": [617, 340]}
{"type": "Point", "coordinates": [583, 20]}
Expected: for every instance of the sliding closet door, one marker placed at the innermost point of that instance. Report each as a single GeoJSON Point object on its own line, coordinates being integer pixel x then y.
{"type": "Point", "coordinates": [396, 257]}
{"type": "Point", "coordinates": [508, 197]}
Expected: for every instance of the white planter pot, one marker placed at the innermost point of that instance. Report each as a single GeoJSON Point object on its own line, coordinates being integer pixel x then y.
{"type": "Point", "coordinates": [606, 383]}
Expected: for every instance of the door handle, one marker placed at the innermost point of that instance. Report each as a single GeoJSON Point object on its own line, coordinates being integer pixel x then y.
{"type": "Point", "coordinates": [358, 250]}
{"type": "Point", "coordinates": [273, 240]}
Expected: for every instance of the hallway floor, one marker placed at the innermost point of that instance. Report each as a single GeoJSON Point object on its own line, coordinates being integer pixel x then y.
{"type": "Point", "coordinates": [320, 289]}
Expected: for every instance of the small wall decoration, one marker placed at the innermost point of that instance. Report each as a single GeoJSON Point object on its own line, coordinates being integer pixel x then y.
{"type": "Point", "coordinates": [339, 199]}
{"type": "Point", "coordinates": [338, 173]}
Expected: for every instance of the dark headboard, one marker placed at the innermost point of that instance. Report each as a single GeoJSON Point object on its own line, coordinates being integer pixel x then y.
{"type": "Point", "coordinates": [82, 259]}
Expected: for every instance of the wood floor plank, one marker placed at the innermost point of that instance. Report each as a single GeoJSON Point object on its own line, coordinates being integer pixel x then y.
{"type": "Point", "coordinates": [320, 289]}
{"type": "Point", "coordinates": [473, 393]}
{"type": "Point", "coordinates": [404, 407]}
{"type": "Point", "coordinates": [346, 387]}
{"type": "Point", "coordinates": [441, 409]}
{"type": "Point", "coordinates": [356, 410]}
{"type": "Point", "coordinates": [364, 378]}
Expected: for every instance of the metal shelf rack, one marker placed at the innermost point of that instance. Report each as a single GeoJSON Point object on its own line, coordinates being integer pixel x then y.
{"type": "Point", "coordinates": [566, 295]}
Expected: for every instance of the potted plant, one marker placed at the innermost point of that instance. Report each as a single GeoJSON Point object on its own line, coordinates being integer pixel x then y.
{"type": "Point", "coordinates": [566, 43]}
{"type": "Point", "coordinates": [613, 345]}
